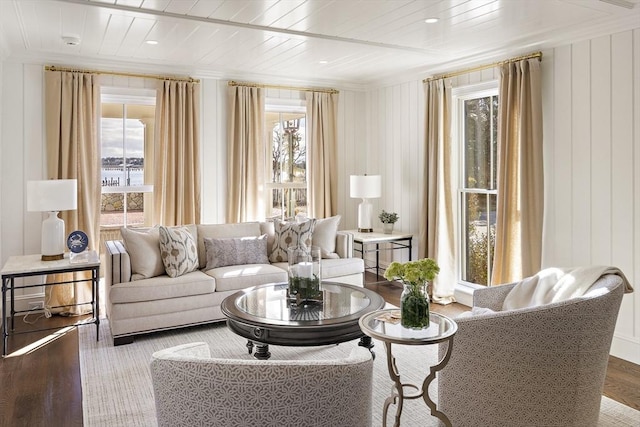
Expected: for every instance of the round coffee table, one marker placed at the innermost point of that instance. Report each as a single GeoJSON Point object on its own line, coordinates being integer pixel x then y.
{"type": "Point", "coordinates": [264, 316]}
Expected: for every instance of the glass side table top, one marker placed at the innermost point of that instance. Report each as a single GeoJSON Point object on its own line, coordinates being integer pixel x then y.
{"type": "Point", "coordinates": [440, 328]}
{"type": "Point", "coordinates": [340, 301]}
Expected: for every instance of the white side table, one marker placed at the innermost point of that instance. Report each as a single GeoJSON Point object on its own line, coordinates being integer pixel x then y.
{"type": "Point", "coordinates": [370, 242]}
{"type": "Point", "coordinates": [32, 265]}
{"type": "Point", "coordinates": [441, 329]}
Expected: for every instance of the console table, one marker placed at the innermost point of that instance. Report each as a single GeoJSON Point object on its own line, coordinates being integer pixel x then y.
{"type": "Point", "coordinates": [441, 329]}
{"type": "Point", "coordinates": [365, 243]}
{"type": "Point", "coordinates": [31, 265]}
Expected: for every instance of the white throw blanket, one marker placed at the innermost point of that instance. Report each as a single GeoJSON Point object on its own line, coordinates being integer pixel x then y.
{"type": "Point", "coordinates": [557, 284]}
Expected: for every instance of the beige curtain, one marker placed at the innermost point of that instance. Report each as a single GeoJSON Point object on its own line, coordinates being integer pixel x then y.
{"type": "Point", "coordinates": [437, 230]}
{"type": "Point", "coordinates": [72, 109]}
{"type": "Point", "coordinates": [520, 202]}
{"type": "Point", "coordinates": [177, 161]}
{"type": "Point", "coordinates": [322, 148]}
{"type": "Point", "coordinates": [245, 154]}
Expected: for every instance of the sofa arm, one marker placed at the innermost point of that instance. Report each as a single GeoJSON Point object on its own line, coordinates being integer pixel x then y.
{"type": "Point", "coordinates": [344, 244]}
{"type": "Point", "coordinates": [491, 297]}
{"type": "Point", "coordinates": [117, 263]}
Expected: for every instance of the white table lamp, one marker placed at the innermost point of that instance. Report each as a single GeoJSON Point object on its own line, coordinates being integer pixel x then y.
{"type": "Point", "coordinates": [52, 196]}
{"type": "Point", "coordinates": [365, 187]}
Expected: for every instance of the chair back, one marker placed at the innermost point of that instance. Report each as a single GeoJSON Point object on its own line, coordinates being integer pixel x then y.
{"type": "Point", "coordinates": [193, 389]}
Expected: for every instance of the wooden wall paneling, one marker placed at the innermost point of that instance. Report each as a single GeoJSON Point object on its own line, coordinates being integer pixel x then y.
{"type": "Point", "coordinates": [561, 243]}
{"type": "Point", "coordinates": [635, 273]}
{"type": "Point", "coordinates": [581, 145]}
{"type": "Point", "coordinates": [622, 191]}
{"type": "Point", "coordinates": [600, 166]}
{"type": "Point", "coordinates": [416, 153]}
{"type": "Point", "coordinates": [549, 228]}
{"type": "Point", "coordinates": [407, 184]}
{"type": "Point", "coordinates": [213, 154]}
{"type": "Point", "coordinates": [34, 150]}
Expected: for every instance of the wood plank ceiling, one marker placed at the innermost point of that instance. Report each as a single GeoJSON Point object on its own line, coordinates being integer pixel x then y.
{"type": "Point", "coordinates": [333, 41]}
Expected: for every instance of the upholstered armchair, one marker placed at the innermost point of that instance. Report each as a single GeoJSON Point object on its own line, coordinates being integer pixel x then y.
{"type": "Point", "coordinates": [538, 366]}
{"type": "Point", "coordinates": [193, 389]}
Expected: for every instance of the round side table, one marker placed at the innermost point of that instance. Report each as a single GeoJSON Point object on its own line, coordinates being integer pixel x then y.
{"type": "Point", "coordinates": [441, 329]}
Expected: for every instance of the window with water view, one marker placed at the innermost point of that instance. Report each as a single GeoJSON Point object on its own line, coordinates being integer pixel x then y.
{"type": "Point", "coordinates": [126, 135]}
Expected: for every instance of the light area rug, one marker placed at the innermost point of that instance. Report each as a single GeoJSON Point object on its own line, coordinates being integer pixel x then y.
{"type": "Point", "coordinates": [117, 389]}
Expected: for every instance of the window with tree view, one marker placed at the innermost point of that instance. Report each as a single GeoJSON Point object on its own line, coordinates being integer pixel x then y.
{"type": "Point", "coordinates": [478, 122]}
{"type": "Point", "coordinates": [287, 157]}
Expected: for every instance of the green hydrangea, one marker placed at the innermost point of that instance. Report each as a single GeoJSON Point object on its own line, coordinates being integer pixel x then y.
{"type": "Point", "coordinates": [418, 271]}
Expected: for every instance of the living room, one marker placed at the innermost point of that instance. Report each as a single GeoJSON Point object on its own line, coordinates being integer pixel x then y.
{"type": "Point", "coordinates": [591, 134]}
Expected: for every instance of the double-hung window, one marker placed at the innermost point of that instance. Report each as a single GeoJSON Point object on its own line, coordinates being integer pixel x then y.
{"type": "Point", "coordinates": [286, 154]}
{"type": "Point", "coordinates": [476, 123]}
{"type": "Point", "coordinates": [127, 125]}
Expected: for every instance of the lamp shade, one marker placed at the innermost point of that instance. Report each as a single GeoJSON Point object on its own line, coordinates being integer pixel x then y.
{"type": "Point", "coordinates": [365, 186]}
{"type": "Point", "coordinates": [52, 195]}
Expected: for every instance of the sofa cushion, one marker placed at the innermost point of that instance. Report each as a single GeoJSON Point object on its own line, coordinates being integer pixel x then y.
{"type": "Point", "coordinates": [161, 287]}
{"type": "Point", "coordinates": [178, 251]}
{"type": "Point", "coordinates": [218, 231]}
{"type": "Point", "coordinates": [334, 267]}
{"type": "Point", "coordinates": [237, 277]}
{"type": "Point", "coordinates": [324, 236]}
{"type": "Point", "coordinates": [143, 246]}
{"type": "Point", "coordinates": [290, 234]}
{"type": "Point", "coordinates": [236, 251]}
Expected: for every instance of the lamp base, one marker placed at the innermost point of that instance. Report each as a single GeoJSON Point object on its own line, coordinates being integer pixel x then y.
{"type": "Point", "coordinates": [365, 230]}
{"type": "Point", "coordinates": [52, 257]}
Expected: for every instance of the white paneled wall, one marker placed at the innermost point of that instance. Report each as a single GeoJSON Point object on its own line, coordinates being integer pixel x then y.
{"type": "Point", "coordinates": [592, 162]}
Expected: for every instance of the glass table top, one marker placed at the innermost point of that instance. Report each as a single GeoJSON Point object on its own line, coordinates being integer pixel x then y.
{"type": "Point", "coordinates": [440, 328]}
{"type": "Point", "coordinates": [269, 302]}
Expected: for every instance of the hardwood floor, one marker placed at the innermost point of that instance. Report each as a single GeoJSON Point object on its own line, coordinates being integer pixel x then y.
{"type": "Point", "coordinates": [43, 388]}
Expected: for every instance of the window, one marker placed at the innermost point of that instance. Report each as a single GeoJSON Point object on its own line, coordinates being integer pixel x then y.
{"type": "Point", "coordinates": [286, 184]}
{"type": "Point", "coordinates": [127, 124]}
{"type": "Point", "coordinates": [477, 122]}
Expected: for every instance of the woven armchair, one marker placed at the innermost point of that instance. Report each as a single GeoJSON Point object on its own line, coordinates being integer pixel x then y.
{"type": "Point", "coordinates": [193, 389]}
{"type": "Point", "coordinates": [541, 366]}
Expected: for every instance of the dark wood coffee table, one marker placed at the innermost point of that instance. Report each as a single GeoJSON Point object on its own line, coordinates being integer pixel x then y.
{"type": "Point", "coordinates": [264, 316]}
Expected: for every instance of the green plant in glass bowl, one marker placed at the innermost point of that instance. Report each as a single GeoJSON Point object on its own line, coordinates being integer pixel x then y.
{"type": "Point", "coordinates": [414, 301]}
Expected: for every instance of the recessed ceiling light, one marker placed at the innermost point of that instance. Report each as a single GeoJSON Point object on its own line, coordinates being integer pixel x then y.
{"type": "Point", "coordinates": [431, 20]}
{"type": "Point", "coordinates": [154, 42]}
{"type": "Point", "coordinates": [324, 61]}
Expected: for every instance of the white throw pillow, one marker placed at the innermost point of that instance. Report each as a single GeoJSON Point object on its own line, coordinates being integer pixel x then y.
{"type": "Point", "coordinates": [143, 246]}
{"type": "Point", "coordinates": [290, 234]}
{"type": "Point", "coordinates": [236, 251]}
{"type": "Point", "coordinates": [324, 236]}
{"type": "Point", "coordinates": [178, 251]}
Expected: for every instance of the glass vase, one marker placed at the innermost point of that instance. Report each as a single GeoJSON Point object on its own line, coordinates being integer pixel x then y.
{"type": "Point", "coordinates": [304, 274]}
{"type": "Point", "coordinates": [414, 306]}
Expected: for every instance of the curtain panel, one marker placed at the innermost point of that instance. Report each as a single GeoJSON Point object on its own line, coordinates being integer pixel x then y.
{"type": "Point", "coordinates": [177, 178]}
{"type": "Point", "coordinates": [245, 154]}
{"type": "Point", "coordinates": [437, 238]}
{"type": "Point", "coordinates": [520, 204]}
{"type": "Point", "coordinates": [322, 146]}
{"type": "Point", "coordinates": [72, 114]}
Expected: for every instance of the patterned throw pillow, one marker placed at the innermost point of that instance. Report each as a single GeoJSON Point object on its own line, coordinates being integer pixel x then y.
{"type": "Point", "coordinates": [178, 250]}
{"type": "Point", "coordinates": [236, 251]}
{"type": "Point", "coordinates": [290, 234]}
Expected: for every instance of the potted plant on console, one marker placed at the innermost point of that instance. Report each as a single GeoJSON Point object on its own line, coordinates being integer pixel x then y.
{"type": "Point", "coordinates": [388, 219]}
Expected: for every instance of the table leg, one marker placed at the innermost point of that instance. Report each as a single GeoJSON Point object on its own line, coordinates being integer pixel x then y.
{"type": "Point", "coordinates": [262, 351]}
{"type": "Point", "coordinates": [95, 278]}
{"type": "Point", "coordinates": [397, 391]}
{"type": "Point", "coordinates": [250, 346]}
{"type": "Point", "coordinates": [432, 376]}
{"type": "Point", "coordinates": [367, 343]}
{"type": "Point", "coordinates": [4, 316]}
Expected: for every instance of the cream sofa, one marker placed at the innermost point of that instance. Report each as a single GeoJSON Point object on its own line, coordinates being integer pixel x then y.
{"type": "Point", "coordinates": [141, 298]}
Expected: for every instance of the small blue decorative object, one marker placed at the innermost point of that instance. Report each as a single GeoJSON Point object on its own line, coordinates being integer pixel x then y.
{"type": "Point", "coordinates": [77, 241]}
